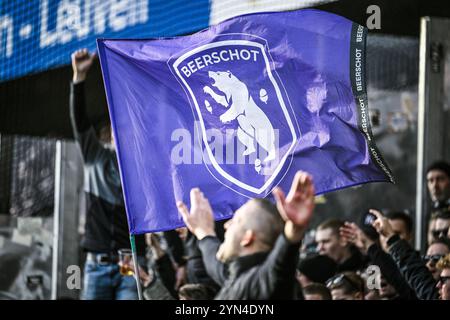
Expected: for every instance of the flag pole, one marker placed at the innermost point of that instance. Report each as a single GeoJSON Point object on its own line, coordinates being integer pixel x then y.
{"type": "Point", "coordinates": [136, 267]}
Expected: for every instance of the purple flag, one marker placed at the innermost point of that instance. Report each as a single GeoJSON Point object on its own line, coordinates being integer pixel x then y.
{"type": "Point", "coordinates": [236, 110]}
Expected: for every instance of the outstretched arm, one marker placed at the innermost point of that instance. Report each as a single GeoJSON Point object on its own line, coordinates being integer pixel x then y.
{"type": "Point", "coordinates": [83, 130]}
{"type": "Point", "coordinates": [199, 220]}
{"type": "Point", "coordinates": [407, 259]}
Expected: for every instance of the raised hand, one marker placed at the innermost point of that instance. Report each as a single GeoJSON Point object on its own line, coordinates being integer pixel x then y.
{"type": "Point", "coordinates": [298, 207]}
{"type": "Point", "coordinates": [200, 219]}
{"type": "Point", "coordinates": [81, 63]}
{"type": "Point", "coordinates": [353, 234]}
{"type": "Point", "coordinates": [144, 277]}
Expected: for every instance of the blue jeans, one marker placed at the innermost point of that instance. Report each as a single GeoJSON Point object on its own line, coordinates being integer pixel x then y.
{"type": "Point", "coordinates": [104, 282]}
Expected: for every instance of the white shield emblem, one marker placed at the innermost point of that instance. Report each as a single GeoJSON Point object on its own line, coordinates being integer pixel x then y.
{"type": "Point", "coordinates": [247, 126]}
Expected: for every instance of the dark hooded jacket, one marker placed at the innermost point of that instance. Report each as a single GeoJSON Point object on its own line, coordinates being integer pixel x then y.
{"type": "Point", "coordinates": [259, 276]}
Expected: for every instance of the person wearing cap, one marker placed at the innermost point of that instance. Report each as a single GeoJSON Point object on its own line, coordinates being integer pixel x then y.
{"type": "Point", "coordinates": [259, 255]}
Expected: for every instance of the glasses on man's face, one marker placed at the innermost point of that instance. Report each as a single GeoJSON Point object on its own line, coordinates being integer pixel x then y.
{"type": "Point", "coordinates": [440, 233]}
{"type": "Point", "coordinates": [336, 280]}
{"type": "Point", "coordinates": [433, 258]}
{"type": "Point", "coordinates": [443, 280]}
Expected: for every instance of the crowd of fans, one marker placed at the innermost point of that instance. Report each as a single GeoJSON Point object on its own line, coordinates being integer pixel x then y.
{"type": "Point", "coordinates": [374, 260]}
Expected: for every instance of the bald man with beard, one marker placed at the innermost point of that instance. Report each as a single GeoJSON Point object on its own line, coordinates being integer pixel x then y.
{"type": "Point", "coordinates": [259, 255]}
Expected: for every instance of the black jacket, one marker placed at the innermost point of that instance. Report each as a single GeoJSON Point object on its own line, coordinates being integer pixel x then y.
{"type": "Point", "coordinates": [413, 268]}
{"type": "Point", "coordinates": [260, 276]}
{"type": "Point", "coordinates": [106, 228]}
{"type": "Point", "coordinates": [355, 263]}
{"type": "Point", "coordinates": [390, 272]}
